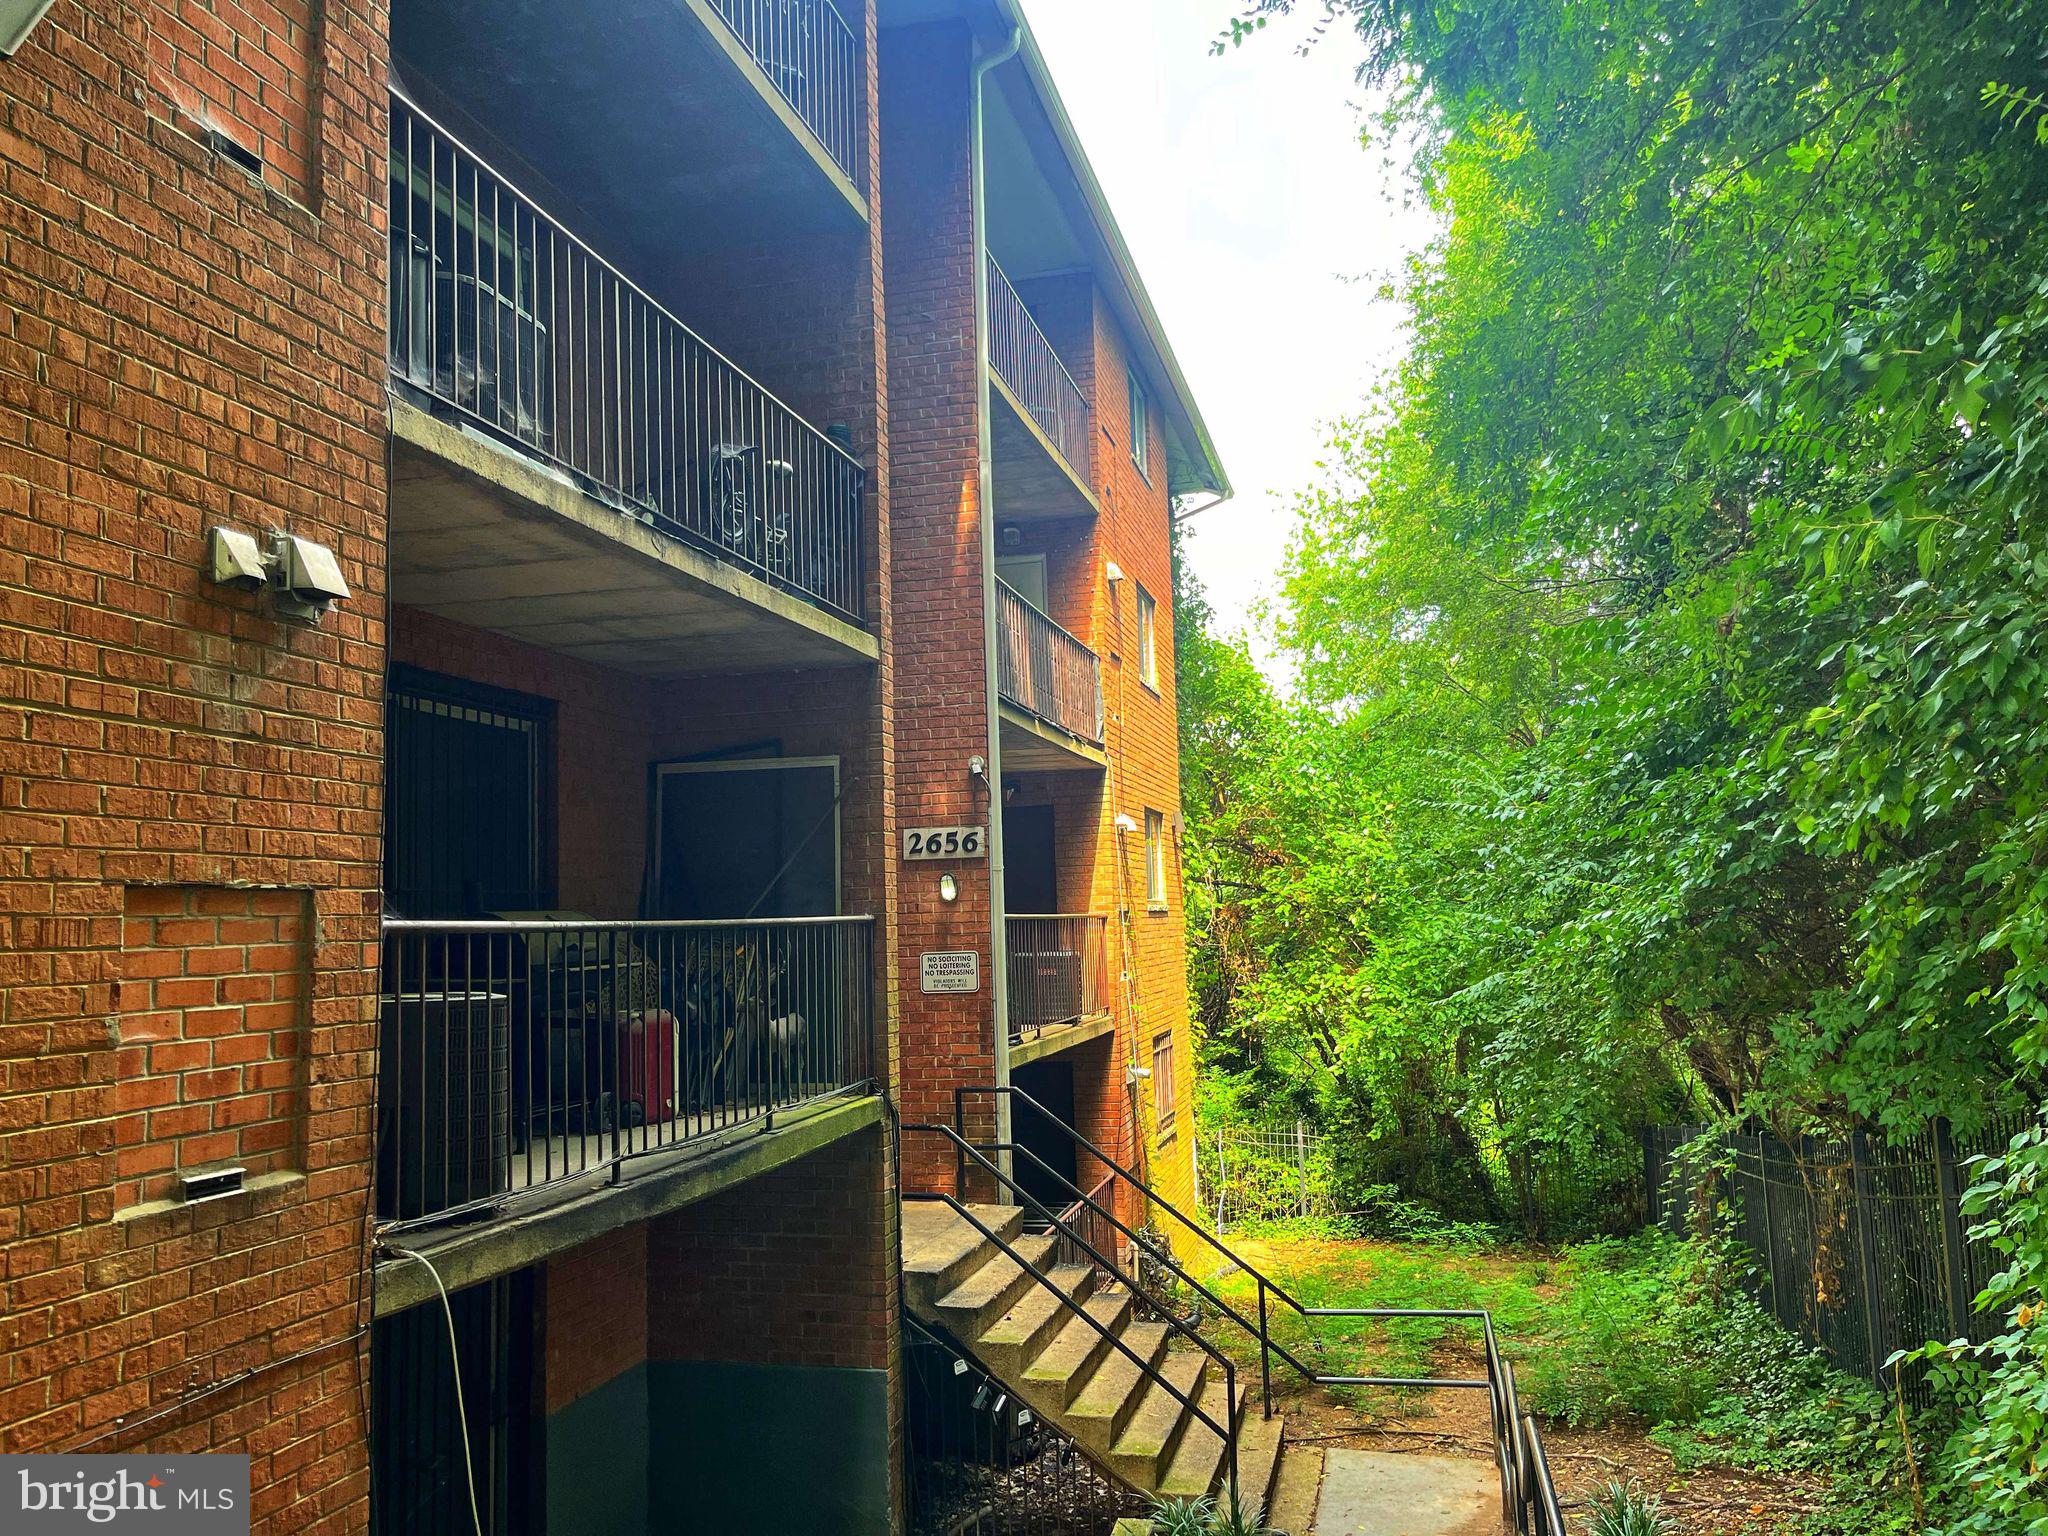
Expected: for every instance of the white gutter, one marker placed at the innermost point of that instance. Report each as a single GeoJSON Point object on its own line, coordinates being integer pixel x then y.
{"type": "Point", "coordinates": [999, 937]}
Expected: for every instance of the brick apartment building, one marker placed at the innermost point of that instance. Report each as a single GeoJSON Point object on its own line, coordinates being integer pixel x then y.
{"type": "Point", "coordinates": [585, 628]}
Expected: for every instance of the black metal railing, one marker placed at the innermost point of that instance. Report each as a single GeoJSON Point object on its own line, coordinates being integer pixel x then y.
{"type": "Point", "coordinates": [1044, 670]}
{"type": "Point", "coordinates": [810, 55]}
{"type": "Point", "coordinates": [973, 1161]}
{"type": "Point", "coordinates": [1092, 1230]}
{"type": "Point", "coordinates": [1528, 1492]}
{"type": "Point", "coordinates": [501, 315]}
{"type": "Point", "coordinates": [516, 1054]}
{"type": "Point", "coordinates": [983, 1463]}
{"type": "Point", "coordinates": [1056, 971]}
{"type": "Point", "coordinates": [1025, 361]}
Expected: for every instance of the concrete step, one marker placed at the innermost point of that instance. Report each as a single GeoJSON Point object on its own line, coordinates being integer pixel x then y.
{"type": "Point", "coordinates": [1114, 1389]}
{"type": "Point", "coordinates": [1015, 1339]}
{"type": "Point", "coordinates": [1197, 1467]}
{"type": "Point", "coordinates": [1143, 1451]}
{"type": "Point", "coordinates": [1055, 1378]}
{"type": "Point", "coordinates": [973, 1306]}
{"type": "Point", "coordinates": [941, 1249]}
{"type": "Point", "coordinates": [1296, 1487]}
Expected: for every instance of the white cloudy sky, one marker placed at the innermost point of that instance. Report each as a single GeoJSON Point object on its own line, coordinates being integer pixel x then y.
{"type": "Point", "coordinates": [1262, 226]}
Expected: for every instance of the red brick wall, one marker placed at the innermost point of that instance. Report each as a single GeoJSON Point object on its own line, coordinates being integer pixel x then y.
{"type": "Point", "coordinates": [794, 1268]}
{"type": "Point", "coordinates": [941, 702]}
{"type": "Point", "coordinates": [1144, 748]}
{"type": "Point", "coordinates": [246, 68]}
{"type": "Point", "coordinates": [212, 1001]}
{"type": "Point", "coordinates": [596, 1303]}
{"type": "Point", "coordinates": [180, 345]}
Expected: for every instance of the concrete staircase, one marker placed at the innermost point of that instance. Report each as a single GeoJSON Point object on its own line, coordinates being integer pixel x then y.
{"type": "Point", "coordinates": [1032, 1338]}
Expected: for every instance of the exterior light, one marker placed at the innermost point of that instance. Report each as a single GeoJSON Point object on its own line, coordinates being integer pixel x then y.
{"type": "Point", "coordinates": [1124, 823]}
{"type": "Point", "coordinates": [949, 888]}
{"type": "Point", "coordinates": [237, 559]}
{"type": "Point", "coordinates": [303, 578]}
{"type": "Point", "coordinates": [17, 19]}
{"type": "Point", "coordinates": [308, 577]}
{"type": "Point", "coordinates": [1114, 572]}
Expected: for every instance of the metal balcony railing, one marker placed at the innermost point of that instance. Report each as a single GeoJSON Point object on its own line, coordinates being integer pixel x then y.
{"type": "Point", "coordinates": [1026, 362]}
{"type": "Point", "coordinates": [500, 314]}
{"type": "Point", "coordinates": [809, 53]}
{"type": "Point", "coordinates": [516, 1054]}
{"type": "Point", "coordinates": [1056, 971]}
{"type": "Point", "coordinates": [1044, 670]}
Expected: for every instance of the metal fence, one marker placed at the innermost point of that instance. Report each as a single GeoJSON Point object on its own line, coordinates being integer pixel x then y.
{"type": "Point", "coordinates": [1264, 1173]}
{"type": "Point", "coordinates": [1044, 670]}
{"type": "Point", "coordinates": [809, 53]}
{"type": "Point", "coordinates": [1025, 361]}
{"type": "Point", "coordinates": [515, 1054]}
{"type": "Point", "coordinates": [1861, 1246]}
{"type": "Point", "coordinates": [501, 315]}
{"type": "Point", "coordinates": [1056, 971]}
{"type": "Point", "coordinates": [982, 1463]}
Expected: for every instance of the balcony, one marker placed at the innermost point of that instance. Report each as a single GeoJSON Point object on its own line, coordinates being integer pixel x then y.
{"type": "Point", "coordinates": [809, 55]}
{"type": "Point", "coordinates": [1051, 689]}
{"type": "Point", "coordinates": [507, 327]}
{"type": "Point", "coordinates": [1058, 977]}
{"type": "Point", "coordinates": [1040, 422]}
{"type": "Point", "coordinates": [683, 126]}
{"type": "Point", "coordinates": [522, 1056]}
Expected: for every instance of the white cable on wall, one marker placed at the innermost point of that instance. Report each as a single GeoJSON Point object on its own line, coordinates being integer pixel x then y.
{"type": "Point", "coordinates": [455, 1361]}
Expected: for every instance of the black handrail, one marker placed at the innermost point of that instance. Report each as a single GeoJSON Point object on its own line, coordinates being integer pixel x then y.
{"type": "Point", "coordinates": [1227, 1431]}
{"type": "Point", "coordinates": [1528, 1492]}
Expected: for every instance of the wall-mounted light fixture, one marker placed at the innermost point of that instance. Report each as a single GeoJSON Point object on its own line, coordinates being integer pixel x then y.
{"type": "Point", "coordinates": [18, 18]}
{"type": "Point", "coordinates": [303, 578]}
{"type": "Point", "coordinates": [1114, 572]}
{"type": "Point", "coordinates": [1125, 823]}
{"type": "Point", "coordinates": [949, 888]}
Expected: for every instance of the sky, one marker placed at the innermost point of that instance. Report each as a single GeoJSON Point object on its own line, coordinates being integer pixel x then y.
{"type": "Point", "coordinates": [1263, 228]}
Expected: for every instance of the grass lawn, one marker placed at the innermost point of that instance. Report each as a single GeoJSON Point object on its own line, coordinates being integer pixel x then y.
{"type": "Point", "coordinates": [1638, 1362]}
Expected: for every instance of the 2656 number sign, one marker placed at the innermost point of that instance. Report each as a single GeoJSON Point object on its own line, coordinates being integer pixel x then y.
{"type": "Point", "coordinates": [945, 842]}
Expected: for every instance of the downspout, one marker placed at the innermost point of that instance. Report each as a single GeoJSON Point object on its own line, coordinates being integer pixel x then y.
{"type": "Point", "coordinates": [998, 943]}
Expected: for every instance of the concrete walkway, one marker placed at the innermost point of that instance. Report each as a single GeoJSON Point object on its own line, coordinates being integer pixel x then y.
{"type": "Point", "coordinates": [1374, 1493]}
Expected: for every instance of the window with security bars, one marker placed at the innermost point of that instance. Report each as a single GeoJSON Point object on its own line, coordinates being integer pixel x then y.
{"type": "Point", "coordinates": [1155, 859]}
{"type": "Point", "coordinates": [1148, 639]}
{"type": "Point", "coordinates": [1165, 1098]}
{"type": "Point", "coordinates": [1141, 428]}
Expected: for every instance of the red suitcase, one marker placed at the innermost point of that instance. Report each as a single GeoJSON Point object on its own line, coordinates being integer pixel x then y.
{"type": "Point", "coordinates": [647, 1066]}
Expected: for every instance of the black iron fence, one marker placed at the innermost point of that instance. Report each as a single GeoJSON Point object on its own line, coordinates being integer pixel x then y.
{"type": "Point", "coordinates": [1861, 1246]}
{"type": "Point", "coordinates": [1045, 671]}
{"type": "Point", "coordinates": [981, 1463]}
{"type": "Point", "coordinates": [500, 314]}
{"type": "Point", "coordinates": [1056, 971]}
{"type": "Point", "coordinates": [809, 54]}
{"type": "Point", "coordinates": [515, 1054]}
{"type": "Point", "coordinates": [1025, 361]}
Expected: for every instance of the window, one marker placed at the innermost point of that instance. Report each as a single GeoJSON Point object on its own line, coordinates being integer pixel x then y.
{"type": "Point", "coordinates": [1148, 639]}
{"type": "Point", "coordinates": [1141, 429]}
{"type": "Point", "coordinates": [1155, 860]}
{"type": "Point", "coordinates": [1164, 1099]}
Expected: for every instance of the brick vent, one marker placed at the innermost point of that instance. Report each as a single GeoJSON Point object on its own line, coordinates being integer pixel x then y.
{"type": "Point", "coordinates": [212, 1033]}
{"type": "Point", "coordinates": [242, 67]}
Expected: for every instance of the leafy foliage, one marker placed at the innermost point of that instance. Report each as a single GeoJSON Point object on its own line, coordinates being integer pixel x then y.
{"type": "Point", "coordinates": [1669, 640]}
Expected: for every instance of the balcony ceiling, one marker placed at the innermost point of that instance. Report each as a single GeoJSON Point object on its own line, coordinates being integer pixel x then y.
{"type": "Point", "coordinates": [483, 536]}
{"type": "Point", "coordinates": [1033, 483]}
{"type": "Point", "coordinates": [1031, 745]}
{"type": "Point", "coordinates": [648, 114]}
